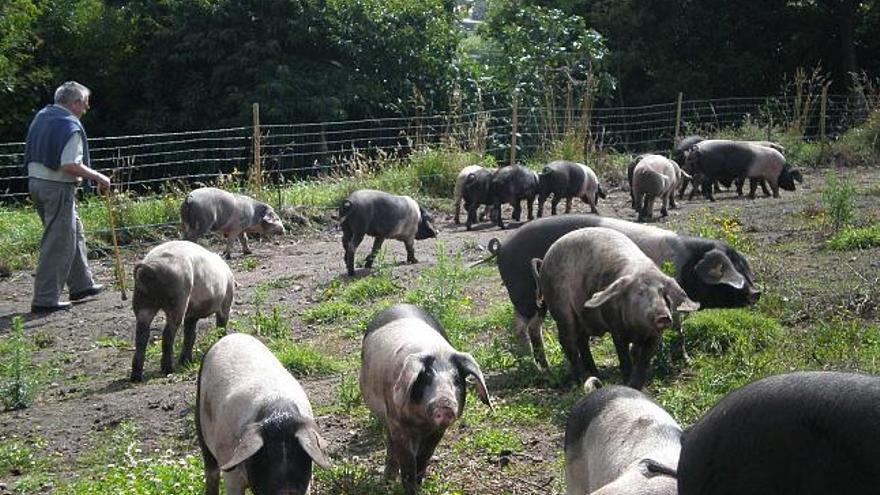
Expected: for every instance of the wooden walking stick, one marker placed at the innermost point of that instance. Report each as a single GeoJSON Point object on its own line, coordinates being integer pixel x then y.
{"type": "Point", "coordinates": [120, 275]}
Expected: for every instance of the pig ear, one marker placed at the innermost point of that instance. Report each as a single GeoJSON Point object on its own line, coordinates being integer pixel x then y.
{"type": "Point", "coordinates": [796, 175]}
{"type": "Point", "coordinates": [716, 269]}
{"type": "Point", "coordinates": [679, 300]}
{"type": "Point", "coordinates": [313, 443]}
{"type": "Point", "coordinates": [469, 365]}
{"type": "Point", "coordinates": [251, 441]}
{"type": "Point", "coordinates": [615, 289]}
{"type": "Point", "coordinates": [412, 366]}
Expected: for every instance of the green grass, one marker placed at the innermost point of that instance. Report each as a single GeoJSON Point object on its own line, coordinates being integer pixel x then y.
{"type": "Point", "coordinates": [302, 359]}
{"type": "Point", "coordinates": [721, 225]}
{"type": "Point", "coordinates": [23, 465]}
{"type": "Point", "coordinates": [118, 465]}
{"type": "Point", "coordinates": [855, 238]}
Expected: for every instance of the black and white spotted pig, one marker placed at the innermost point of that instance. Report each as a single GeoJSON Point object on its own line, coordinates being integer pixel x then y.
{"type": "Point", "coordinates": [188, 283]}
{"type": "Point", "coordinates": [383, 216]}
{"type": "Point", "coordinates": [801, 433]}
{"type": "Point", "coordinates": [512, 184]}
{"type": "Point", "coordinates": [596, 280]}
{"type": "Point", "coordinates": [413, 380]}
{"type": "Point", "coordinates": [254, 422]}
{"type": "Point", "coordinates": [728, 161]}
{"type": "Point", "coordinates": [233, 215]}
{"type": "Point", "coordinates": [620, 442]}
{"type": "Point", "coordinates": [710, 271]}
{"type": "Point", "coordinates": [564, 179]}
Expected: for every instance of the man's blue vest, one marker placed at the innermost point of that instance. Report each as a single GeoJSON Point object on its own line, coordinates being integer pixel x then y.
{"type": "Point", "coordinates": [47, 135]}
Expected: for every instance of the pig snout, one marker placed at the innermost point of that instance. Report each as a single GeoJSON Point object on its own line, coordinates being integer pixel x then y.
{"type": "Point", "coordinates": [443, 414]}
{"type": "Point", "coordinates": [754, 295]}
{"type": "Point", "coordinates": [663, 320]}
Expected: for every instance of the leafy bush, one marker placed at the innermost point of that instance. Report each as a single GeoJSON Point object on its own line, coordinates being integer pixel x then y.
{"type": "Point", "coordinates": [860, 145]}
{"type": "Point", "coordinates": [838, 197]}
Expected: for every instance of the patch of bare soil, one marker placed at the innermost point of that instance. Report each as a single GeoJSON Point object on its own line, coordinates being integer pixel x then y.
{"type": "Point", "coordinates": [91, 392]}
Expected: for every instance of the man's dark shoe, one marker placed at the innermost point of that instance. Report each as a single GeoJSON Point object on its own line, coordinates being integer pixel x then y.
{"type": "Point", "coordinates": [91, 291]}
{"type": "Point", "coordinates": [40, 309]}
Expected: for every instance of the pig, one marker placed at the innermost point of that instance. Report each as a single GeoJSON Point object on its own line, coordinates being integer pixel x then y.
{"type": "Point", "coordinates": [710, 271]}
{"type": "Point", "coordinates": [564, 179]}
{"type": "Point", "coordinates": [413, 381]}
{"type": "Point", "coordinates": [234, 215]}
{"type": "Point", "coordinates": [653, 176]}
{"type": "Point", "coordinates": [620, 442]}
{"type": "Point", "coordinates": [383, 216]}
{"type": "Point", "coordinates": [458, 190]}
{"type": "Point", "coordinates": [477, 191]}
{"type": "Point", "coordinates": [188, 283]}
{"type": "Point", "coordinates": [512, 184]}
{"type": "Point", "coordinates": [728, 161]}
{"type": "Point", "coordinates": [254, 422]}
{"type": "Point", "coordinates": [596, 280]}
{"type": "Point", "coordinates": [801, 433]}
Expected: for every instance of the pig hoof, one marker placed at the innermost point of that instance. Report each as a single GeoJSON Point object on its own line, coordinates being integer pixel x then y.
{"type": "Point", "coordinates": [136, 377]}
{"type": "Point", "coordinates": [247, 252]}
{"type": "Point", "coordinates": [412, 261]}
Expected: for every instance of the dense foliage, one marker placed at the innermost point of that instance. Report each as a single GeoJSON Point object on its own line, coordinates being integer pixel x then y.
{"type": "Point", "coordinates": [163, 65]}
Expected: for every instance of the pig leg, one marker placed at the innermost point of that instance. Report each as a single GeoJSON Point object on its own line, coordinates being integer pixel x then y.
{"type": "Point", "coordinates": [350, 242]}
{"type": "Point", "coordinates": [235, 481]}
{"type": "Point", "coordinates": [242, 238]}
{"type": "Point", "coordinates": [642, 353]}
{"type": "Point", "coordinates": [773, 185]}
{"type": "Point", "coordinates": [174, 318]}
{"type": "Point", "coordinates": [189, 340]}
{"type": "Point", "coordinates": [497, 212]}
{"type": "Point", "coordinates": [517, 209]}
{"type": "Point", "coordinates": [707, 189]}
{"type": "Point", "coordinates": [623, 356]}
{"type": "Point", "coordinates": [542, 198]}
{"type": "Point", "coordinates": [426, 450]}
{"type": "Point", "coordinates": [753, 186]}
{"type": "Point", "coordinates": [568, 204]}
{"type": "Point", "coordinates": [410, 251]}
{"type": "Point", "coordinates": [457, 211]}
{"type": "Point", "coordinates": [592, 202]}
{"type": "Point", "coordinates": [392, 467]}
{"type": "Point", "coordinates": [664, 211]}
{"type": "Point", "coordinates": [529, 201]}
{"type": "Point", "coordinates": [212, 472]}
{"type": "Point", "coordinates": [377, 245]}
{"type": "Point", "coordinates": [764, 187]}
{"type": "Point", "coordinates": [586, 354]}
{"type": "Point", "coordinates": [141, 339]}
{"type": "Point", "coordinates": [471, 208]}
{"type": "Point", "coordinates": [554, 203]}
{"type": "Point", "coordinates": [569, 341]}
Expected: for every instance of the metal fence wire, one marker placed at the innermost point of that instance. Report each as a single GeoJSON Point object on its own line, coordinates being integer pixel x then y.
{"type": "Point", "coordinates": [288, 151]}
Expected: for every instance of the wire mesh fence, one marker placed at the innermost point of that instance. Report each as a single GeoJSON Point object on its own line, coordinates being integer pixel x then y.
{"type": "Point", "coordinates": [287, 151]}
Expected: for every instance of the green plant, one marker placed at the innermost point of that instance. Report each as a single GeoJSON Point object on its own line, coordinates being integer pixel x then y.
{"type": "Point", "coordinates": [271, 325]}
{"type": "Point", "coordinates": [838, 197]}
{"type": "Point", "coordinates": [855, 238]}
{"type": "Point", "coordinates": [723, 226]}
{"type": "Point", "coordinates": [250, 263]}
{"type": "Point", "coordinates": [302, 359]}
{"type": "Point", "coordinates": [19, 384]}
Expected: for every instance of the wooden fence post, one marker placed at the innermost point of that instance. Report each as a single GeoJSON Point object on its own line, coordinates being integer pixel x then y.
{"type": "Point", "coordinates": [256, 173]}
{"type": "Point", "coordinates": [822, 112]}
{"type": "Point", "coordinates": [513, 130]}
{"type": "Point", "coordinates": [677, 118]}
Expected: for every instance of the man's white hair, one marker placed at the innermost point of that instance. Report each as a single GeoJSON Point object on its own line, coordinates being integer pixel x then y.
{"type": "Point", "coordinates": [70, 92]}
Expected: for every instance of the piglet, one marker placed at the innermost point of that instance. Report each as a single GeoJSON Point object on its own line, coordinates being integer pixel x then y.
{"type": "Point", "coordinates": [620, 442]}
{"type": "Point", "coordinates": [233, 215]}
{"type": "Point", "coordinates": [187, 282]}
{"type": "Point", "coordinates": [564, 179]}
{"type": "Point", "coordinates": [413, 380]}
{"type": "Point", "coordinates": [653, 176]}
{"type": "Point", "coordinates": [383, 216]}
{"type": "Point", "coordinates": [254, 422]}
{"type": "Point", "coordinates": [512, 184]}
{"type": "Point", "coordinates": [477, 191]}
{"type": "Point", "coordinates": [458, 189]}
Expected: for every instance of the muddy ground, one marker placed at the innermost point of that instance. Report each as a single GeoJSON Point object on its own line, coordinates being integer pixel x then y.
{"type": "Point", "coordinates": [90, 392]}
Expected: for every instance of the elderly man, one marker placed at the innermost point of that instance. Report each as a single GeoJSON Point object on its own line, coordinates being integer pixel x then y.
{"type": "Point", "coordinates": [57, 159]}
